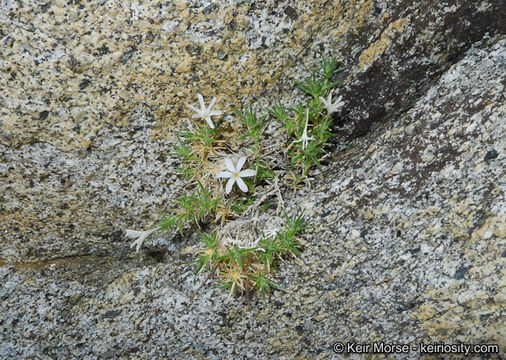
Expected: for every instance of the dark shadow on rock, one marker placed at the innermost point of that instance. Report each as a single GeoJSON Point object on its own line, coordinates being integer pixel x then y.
{"type": "Point", "coordinates": [430, 38]}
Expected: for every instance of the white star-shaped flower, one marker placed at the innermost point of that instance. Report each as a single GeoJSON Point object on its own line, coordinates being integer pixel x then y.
{"type": "Point", "coordinates": [140, 236]}
{"type": "Point", "coordinates": [328, 103]}
{"type": "Point", "coordinates": [235, 174]}
{"type": "Point", "coordinates": [304, 138]}
{"type": "Point", "coordinates": [205, 113]}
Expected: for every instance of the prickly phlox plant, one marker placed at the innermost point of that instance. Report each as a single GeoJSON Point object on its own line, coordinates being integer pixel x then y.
{"type": "Point", "coordinates": [233, 178]}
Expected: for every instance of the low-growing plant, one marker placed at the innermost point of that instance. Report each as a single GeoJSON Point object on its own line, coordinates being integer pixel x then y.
{"type": "Point", "coordinates": [249, 268]}
{"type": "Point", "coordinates": [310, 124]}
{"type": "Point", "coordinates": [231, 177]}
{"type": "Point", "coordinates": [192, 207]}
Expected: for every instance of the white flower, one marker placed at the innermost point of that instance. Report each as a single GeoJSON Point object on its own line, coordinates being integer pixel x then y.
{"type": "Point", "coordinates": [205, 113]}
{"type": "Point", "coordinates": [328, 103]}
{"type": "Point", "coordinates": [304, 137]}
{"type": "Point", "coordinates": [235, 174]}
{"type": "Point", "coordinates": [140, 235]}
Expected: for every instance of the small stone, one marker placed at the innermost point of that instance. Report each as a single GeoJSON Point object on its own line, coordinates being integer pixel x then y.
{"type": "Point", "coordinates": [291, 13]}
{"type": "Point", "coordinates": [84, 84]}
{"type": "Point", "coordinates": [459, 274]}
{"type": "Point", "coordinates": [127, 55]}
{"type": "Point", "coordinates": [208, 9]}
{"type": "Point", "coordinates": [112, 314]}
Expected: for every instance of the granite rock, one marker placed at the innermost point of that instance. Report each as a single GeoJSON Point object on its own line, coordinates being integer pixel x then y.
{"type": "Point", "coordinates": [408, 212]}
{"type": "Point", "coordinates": [89, 86]}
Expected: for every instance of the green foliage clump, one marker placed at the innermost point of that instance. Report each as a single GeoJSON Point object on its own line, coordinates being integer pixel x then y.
{"type": "Point", "coordinates": [247, 269]}
{"type": "Point", "coordinates": [312, 112]}
{"type": "Point", "coordinates": [203, 151]}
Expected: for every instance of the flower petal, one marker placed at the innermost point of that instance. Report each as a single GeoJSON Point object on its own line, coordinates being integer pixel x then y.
{"type": "Point", "coordinates": [133, 233]}
{"type": "Point", "coordinates": [240, 163]}
{"type": "Point", "coordinates": [201, 101]}
{"type": "Point", "coordinates": [215, 112]}
{"type": "Point", "coordinates": [210, 122]}
{"type": "Point", "coordinates": [140, 235]}
{"type": "Point", "coordinates": [211, 103]}
{"type": "Point", "coordinates": [247, 173]}
{"type": "Point", "coordinates": [137, 243]}
{"type": "Point", "coordinates": [242, 185]}
{"type": "Point", "coordinates": [229, 164]}
{"type": "Point", "coordinates": [193, 108]}
{"type": "Point", "coordinates": [229, 185]}
{"type": "Point", "coordinates": [224, 174]}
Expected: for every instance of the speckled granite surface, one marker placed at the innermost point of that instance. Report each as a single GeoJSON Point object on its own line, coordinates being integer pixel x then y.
{"type": "Point", "coordinates": [92, 93]}
{"type": "Point", "coordinates": [409, 230]}
{"type": "Point", "coordinates": [60, 204]}
{"type": "Point", "coordinates": [72, 68]}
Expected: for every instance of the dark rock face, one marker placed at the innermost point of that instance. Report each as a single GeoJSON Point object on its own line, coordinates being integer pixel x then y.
{"type": "Point", "coordinates": [424, 39]}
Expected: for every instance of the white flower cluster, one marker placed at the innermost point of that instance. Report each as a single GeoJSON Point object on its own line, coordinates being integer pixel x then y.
{"type": "Point", "coordinates": [234, 173]}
